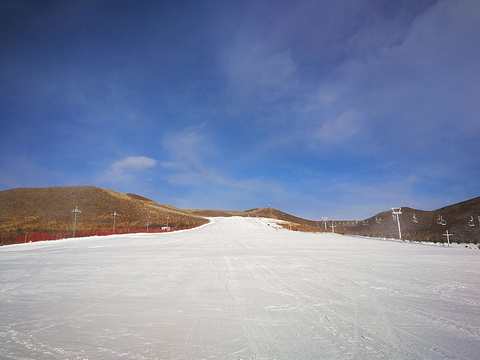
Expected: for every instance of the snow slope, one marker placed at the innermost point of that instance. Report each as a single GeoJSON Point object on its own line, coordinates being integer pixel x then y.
{"type": "Point", "coordinates": [238, 289]}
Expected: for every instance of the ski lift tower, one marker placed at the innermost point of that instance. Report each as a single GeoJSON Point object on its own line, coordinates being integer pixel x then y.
{"type": "Point", "coordinates": [325, 219]}
{"type": "Point", "coordinates": [333, 226]}
{"type": "Point", "coordinates": [396, 212]}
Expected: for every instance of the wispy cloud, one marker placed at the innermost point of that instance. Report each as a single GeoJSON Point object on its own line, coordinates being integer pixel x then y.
{"type": "Point", "coordinates": [341, 129]}
{"type": "Point", "coordinates": [188, 152]}
{"type": "Point", "coordinates": [258, 71]}
{"type": "Point", "coordinates": [127, 169]}
{"type": "Point", "coordinates": [133, 163]}
{"type": "Point", "coordinates": [192, 160]}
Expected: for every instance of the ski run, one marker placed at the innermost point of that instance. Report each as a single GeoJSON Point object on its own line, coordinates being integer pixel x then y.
{"type": "Point", "coordinates": [238, 288]}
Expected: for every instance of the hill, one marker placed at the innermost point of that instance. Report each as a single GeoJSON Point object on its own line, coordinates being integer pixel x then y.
{"type": "Point", "coordinates": [290, 221]}
{"type": "Point", "coordinates": [25, 210]}
{"type": "Point", "coordinates": [49, 210]}
{"type": "Point", "coordinates": [461, 219]}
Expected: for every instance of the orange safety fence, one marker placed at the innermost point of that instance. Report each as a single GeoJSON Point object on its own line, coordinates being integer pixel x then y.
{"type": "Point", "coordinates": [8, 239]}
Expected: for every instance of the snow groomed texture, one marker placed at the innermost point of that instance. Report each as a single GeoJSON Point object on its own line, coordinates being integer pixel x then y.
{"type": "Point", "coordinates": [238, 288]}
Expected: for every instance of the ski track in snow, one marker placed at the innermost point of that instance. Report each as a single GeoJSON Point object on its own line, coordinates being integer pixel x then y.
{"type": "Point", "coordinates": [238, 289]}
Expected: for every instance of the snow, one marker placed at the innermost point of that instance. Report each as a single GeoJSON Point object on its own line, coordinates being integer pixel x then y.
{"type": "Point", "coordinates": [238, 288]}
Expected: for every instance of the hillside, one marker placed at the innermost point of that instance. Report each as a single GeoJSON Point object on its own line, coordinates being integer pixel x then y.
{"type": "Point", "coordinates": [25, 210]}
{"type": "Point", "coordinates": [49, 210]}
{"type": "Point", "coordinates": [292, 222]}
{"type": "Point", "coordinates": [461, 219]}
{"type": "Point", "coordinates": [457, 219]}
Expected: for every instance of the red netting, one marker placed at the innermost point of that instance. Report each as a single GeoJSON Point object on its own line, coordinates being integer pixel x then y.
{"type": "Point", "coordinates": [7, 239]}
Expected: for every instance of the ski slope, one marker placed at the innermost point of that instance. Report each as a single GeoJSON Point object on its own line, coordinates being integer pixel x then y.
{"type": "Point", "coordinates": [238, 289]}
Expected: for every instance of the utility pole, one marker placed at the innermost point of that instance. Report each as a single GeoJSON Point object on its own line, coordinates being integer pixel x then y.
{"type": "Point", "coordinates": [114, 219]}
{"type": "Point", "coordinates": [448, 237]}
{"type": "Point", "coordinates": [396, 212]}
{"type": "Point", "coordinates": [76, 211]}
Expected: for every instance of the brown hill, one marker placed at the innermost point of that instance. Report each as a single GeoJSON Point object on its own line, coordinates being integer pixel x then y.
{"type": "Point", "coordinates": [462, 220]}
{"type": "Point", "coordinates": [292, 222]}
{"type": "Point", "coordinates": [50, 210]}
{"type": "Point", "coordinates": [214, 213]}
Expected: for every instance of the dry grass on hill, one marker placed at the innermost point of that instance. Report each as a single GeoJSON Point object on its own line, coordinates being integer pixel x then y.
{"type": "Point", "coordinates": [50, 210]}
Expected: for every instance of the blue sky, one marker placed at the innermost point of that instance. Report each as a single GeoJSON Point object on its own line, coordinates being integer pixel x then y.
{"type": "Point", "coordinates": [318, 108]}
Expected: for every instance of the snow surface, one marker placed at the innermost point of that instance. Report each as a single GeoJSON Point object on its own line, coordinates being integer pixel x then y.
{"type": "Point", "coordinates": [238, 289]}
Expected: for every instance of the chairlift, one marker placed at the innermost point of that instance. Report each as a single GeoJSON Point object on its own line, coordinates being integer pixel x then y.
{"type": "Point", "coordinates": [414, 219]}
{"type": "Point", "coordinates": [441, 220]}
{"type": "Point", "coordinates": [365, 222]}
{"type": "Point", "coordinates": [378, 220]}
{"type": "Point", "coordinates": [470, 222]}
{"type": "Point", "coordinates": [394, 217]}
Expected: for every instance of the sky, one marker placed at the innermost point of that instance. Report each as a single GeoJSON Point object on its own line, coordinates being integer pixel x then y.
{"type": "Point", "coordinates": [338, 109]}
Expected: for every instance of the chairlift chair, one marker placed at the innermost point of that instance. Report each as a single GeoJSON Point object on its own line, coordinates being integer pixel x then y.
{"type": "Point", "coordinates": [441, 220]}
{"type": "Point", "coordinates": [470, 222]}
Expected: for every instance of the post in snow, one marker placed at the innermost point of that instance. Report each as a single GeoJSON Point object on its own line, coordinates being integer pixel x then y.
{"type": "Point", "coordinates": [448, 237]}
{"type": "Point", "coordinates": [76, 211]}
{"type": "Point", "coordinates": [396, 212]}
{"type": "Point", "coordinates": [166, 228]}
{"type": "Point", "coordinates": [114, 220]}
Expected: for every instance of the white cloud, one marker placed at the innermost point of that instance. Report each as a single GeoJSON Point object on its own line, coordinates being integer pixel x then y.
{"type": "Point", "coordinates": [192, 161]}
{"type": "Point", "coordinates": [188, 152]}
{"type": "Point", "coordinates": [431, 71]}
{"type": "Point", "coordinates": [343, 128]}
{"type": "Point", "coordinates": [134, 163]}
{"type": "Point", "coordinates": [259, 69]}
{"type": "Point", "coordinates": [126, 169]}
{"type": "Point", "coordinates": [327, 97]}
{"type": "Point", "coordinates": [187, 148]}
